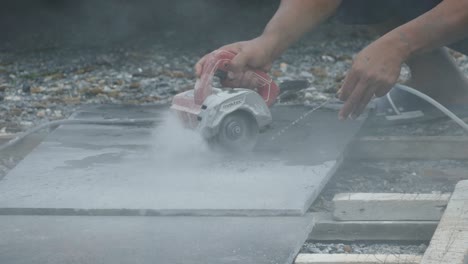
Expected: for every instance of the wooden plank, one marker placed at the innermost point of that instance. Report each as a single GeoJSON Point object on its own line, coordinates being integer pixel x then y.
{"type": "Point", "coordinates": [356, 259]}
{"type": "Point", "coordinates": [389, 206]}
{"type": "Point", "coordinates": [410, 147]}
{"type": "Point", "coordinates": [450, 240]}
{"type": "Point", "coordinates": [327, 229]}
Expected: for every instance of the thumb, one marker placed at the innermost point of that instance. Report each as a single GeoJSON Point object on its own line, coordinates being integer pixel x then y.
{"type": "Point", "coordinates": [237, 65]}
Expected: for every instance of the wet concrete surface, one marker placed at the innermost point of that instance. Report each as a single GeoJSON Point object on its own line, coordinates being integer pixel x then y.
{"type": "Point", "coordinates": [114, 170]}
{"type": "Point", "coordinates": [144, 240]}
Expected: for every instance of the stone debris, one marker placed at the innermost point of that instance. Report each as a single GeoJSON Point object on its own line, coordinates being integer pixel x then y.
{"type": "Point", "coordinates": [364, 248]}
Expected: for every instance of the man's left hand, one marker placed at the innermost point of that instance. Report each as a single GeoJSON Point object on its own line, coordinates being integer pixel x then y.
{"type": "Point", "coordinates": [374, 71]}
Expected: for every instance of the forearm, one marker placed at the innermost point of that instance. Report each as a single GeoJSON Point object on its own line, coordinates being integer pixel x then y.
{"type": "Point", "coordinates": [443, 25]}
{"type": "Point", "coordinates": [296, 17]}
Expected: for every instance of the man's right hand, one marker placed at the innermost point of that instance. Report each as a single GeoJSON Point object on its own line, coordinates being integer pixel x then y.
{"type": "Point", "coordinates": [290, 22]}
{"type": "Point", "coordinates": [255, 54]}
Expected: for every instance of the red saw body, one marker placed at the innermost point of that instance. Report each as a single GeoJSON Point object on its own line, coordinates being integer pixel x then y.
{"type": "Point", "coordinates": [229, 116]}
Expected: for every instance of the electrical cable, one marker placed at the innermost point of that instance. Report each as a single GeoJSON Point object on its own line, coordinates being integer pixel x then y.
{"type": "Point", "coordinates": [436, 104]}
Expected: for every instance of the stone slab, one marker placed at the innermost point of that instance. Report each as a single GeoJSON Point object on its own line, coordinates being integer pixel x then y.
{"type": "Point", "coordinates": [125, 170]}
{"type": "Point", "coordinates": [149, 240]}
{"type": "Point", "coordinates": [389, 206]}
{"type": "Point", "coordinates": [450, 241]}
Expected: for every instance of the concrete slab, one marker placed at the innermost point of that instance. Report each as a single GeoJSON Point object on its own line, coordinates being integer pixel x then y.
{"type": "Point", "coordinates": [175, 240]}
{"type": "Point", "coordinates": [115, 170]}
{"type": "Point", "coordinates": [389, 206]}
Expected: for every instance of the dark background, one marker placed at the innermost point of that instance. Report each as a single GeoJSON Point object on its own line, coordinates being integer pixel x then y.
{"type": "Point", "coordinates": [52, 23]}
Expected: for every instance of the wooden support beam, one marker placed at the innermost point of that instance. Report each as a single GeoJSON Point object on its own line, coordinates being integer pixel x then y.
{"type": "Point", "coordinates": [389, 206]}
{"type": "Point", "coordinates": [327, 229]}
{"type": "Point", "coordinates": [356, 259]}
{"type": "Point", "coordinates": [450, 241]}
{"type": "Point", "coordinates": [410, 147]}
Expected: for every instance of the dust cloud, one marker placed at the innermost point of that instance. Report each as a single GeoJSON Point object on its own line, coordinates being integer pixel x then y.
{"type": "Point", "coordinates": [173, 145]}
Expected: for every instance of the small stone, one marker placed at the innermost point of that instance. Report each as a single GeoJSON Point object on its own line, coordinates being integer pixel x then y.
{"type": "Point", "coordinates": [13, 98]}
{"type": "Point", "coordinates": [308, 95]}
{"type": "Point", "coordinates": [328, 58]}
{"type": "Point", "coordinates": [36, 89]}
{"type": "Point", "coordinates": [306, 74]}
{"type": "Point", "coordinates": [345, 57]}
{"type": "Point", "coordinates": [314, 250]}
{"type": "Point", "coordinates": [319, 72]}
{"type": "Point", "coordinates": [422, 248]}
{"type": "Point", "coordinates": [26, 123]}
{"type": "Point", "coordinates": [339, 78]}
{"type": "Point", "coordinates": [113, 94]}
{"type": "Point", "coordinates": [277, 73]}
{"type": "Point", "coordinates": [284, 67]}
{"type": "Point", "coordinates": [107, 89]}
{"type": "Point", "coordinates": [340, 250]}
{"type": "Point", "coordinates": [58, 113]}
{"type": "Point", "coordinates": [41, 113]}
{"type": "Point", "coordinates": [176, 74]}
{"type": "Point", "coordinates": [95, 90]}
{"type": "Point", "coordinates": [26, 88]}
{"type": "Point", "coordinates": [347, 248]}
{"type": "Point", "coordinates": [134, 85]}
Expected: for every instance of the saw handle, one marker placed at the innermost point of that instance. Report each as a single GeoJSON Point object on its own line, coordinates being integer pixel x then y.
{"type": "Point", "coordinates": [265, 85]}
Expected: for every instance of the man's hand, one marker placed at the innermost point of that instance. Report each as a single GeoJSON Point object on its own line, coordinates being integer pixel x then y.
{"type": "Point", "coordinates": [374, 72]}
{"type": "Point", "coordinates": [376, 68]}
{"type": "Point", "coordinates": [251, 55]}
{"type": "Point", "coordinates": [290, 22]}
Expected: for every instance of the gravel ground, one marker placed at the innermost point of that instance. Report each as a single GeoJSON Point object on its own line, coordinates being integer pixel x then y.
{"type": "Point", "coordinates": [49, 84]}
{"type": "Point", "coordinates": [364, 248]}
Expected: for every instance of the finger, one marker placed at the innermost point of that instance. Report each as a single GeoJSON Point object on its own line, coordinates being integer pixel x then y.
{"type": "Point", "coordinates": [364, 102]}
{"type": "Point", "coordinates": [353, 100]}
{"type": "Point", "coordinates": [250, 80]}
{"type": "Point", "coordinates": [199, 66]}
{"type": "Point", "coordinates": [234, 81]}
{"type": "Point", "coordinates": [348, 86]}
{"type": "Point", "coordinates": [237, 64]}
{"type": "Point", "coordinates": [243, 80]}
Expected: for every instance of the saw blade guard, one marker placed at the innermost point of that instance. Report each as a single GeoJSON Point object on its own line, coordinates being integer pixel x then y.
{"type": "Point", "coordinates": [218, 60]}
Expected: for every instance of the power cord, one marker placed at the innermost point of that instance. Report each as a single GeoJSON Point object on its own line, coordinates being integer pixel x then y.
{"type": "Point", "coordinates": [436, 104]}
